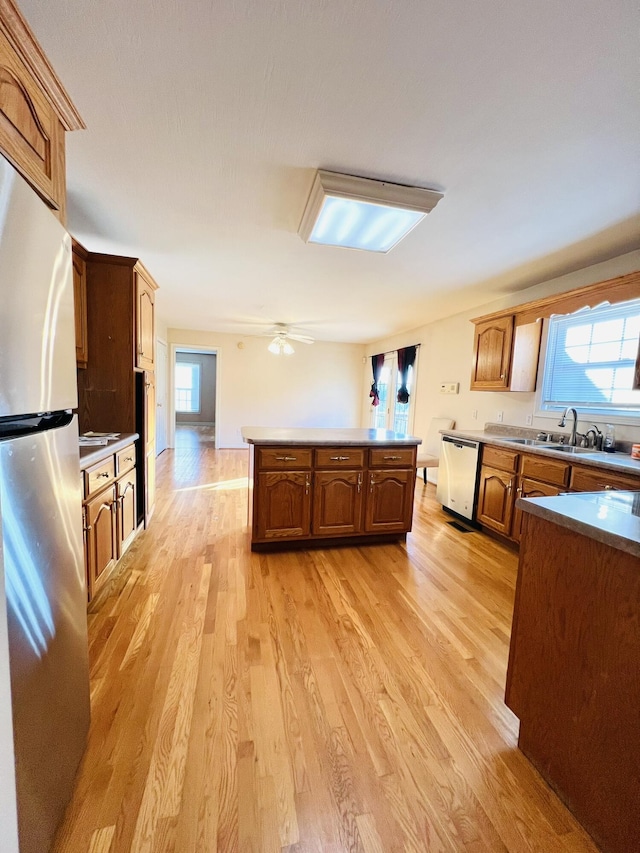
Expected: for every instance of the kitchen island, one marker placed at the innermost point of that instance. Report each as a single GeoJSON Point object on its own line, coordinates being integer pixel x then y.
{"type": "Point", "coordinates": [574, 662]}
{"type": "Point", "coordinates": [329, 486]}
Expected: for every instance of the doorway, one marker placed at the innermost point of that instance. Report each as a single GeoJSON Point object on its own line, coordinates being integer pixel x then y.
{"type": "Point", "coordinates": [195, 392]}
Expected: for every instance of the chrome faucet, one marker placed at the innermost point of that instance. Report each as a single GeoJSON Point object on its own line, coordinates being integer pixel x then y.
{"type": "Point", "coordinates": [596, 441]}
{"type": "Point", "coordinates": [574, 428]}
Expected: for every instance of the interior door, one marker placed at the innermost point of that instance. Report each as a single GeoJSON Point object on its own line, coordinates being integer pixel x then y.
{"type": "Point", "coordinates": [161, 397]}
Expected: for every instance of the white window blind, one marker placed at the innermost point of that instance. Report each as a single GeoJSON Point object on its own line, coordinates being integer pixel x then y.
{"type": "Point", "coordinates": [590, 360]}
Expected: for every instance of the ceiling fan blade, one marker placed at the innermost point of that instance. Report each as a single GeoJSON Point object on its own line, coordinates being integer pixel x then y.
{"type": "Point", "coordinates": [303, 339]}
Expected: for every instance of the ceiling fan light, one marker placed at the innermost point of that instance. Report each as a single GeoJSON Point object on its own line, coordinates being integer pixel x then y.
{"type": "Point", "coordinates": [275, 346]}
{"type": "Point", "coordinates": [287, 349]}
{"type": "Point", "coordinates": [358, 213]}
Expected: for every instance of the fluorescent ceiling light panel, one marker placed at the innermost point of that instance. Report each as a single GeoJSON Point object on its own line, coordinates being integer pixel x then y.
{"type": "Point", "coordinates": [358, 213]}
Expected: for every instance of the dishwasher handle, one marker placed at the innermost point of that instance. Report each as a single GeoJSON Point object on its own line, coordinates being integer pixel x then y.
{"type": "Point", "coordinates": [460, 442]}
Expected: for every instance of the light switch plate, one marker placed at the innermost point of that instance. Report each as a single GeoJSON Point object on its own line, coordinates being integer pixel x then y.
{"type": "Point", "coordinates": [449, 387]}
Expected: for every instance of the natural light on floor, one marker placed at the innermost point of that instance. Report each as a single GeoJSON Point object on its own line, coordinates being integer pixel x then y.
{"type": "Point", "coordinates": [223, 486]}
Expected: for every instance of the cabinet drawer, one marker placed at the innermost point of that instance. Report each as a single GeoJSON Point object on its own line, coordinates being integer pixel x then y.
{"type": "Point", "coordinates": [545, 470]}
{"type": "Point", "coordinates": [594, 480]}
{"type": "Point", "coordinates": [392, 457]}
{"type": "Point", "coordinates": [282, 458]}
{"type": "Point", "coordinates": [500, 457]}
{"type": "Point", "coordinates": [125, 459]}
{"type": "Point", "coordinates": [98, 476]}
{"type": "Point", "coordinates": [339, 457]}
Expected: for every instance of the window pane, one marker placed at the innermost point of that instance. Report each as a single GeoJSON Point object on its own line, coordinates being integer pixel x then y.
{"type": "Point", "coordinates": [590, 360]}
{"type": "Point", "coordinates": [187, 387]}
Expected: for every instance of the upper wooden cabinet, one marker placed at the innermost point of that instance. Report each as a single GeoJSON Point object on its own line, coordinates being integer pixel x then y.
{"type": "Point", "coordinates": [492, 355]}
{"type": "Point", "coordinates": [80, 303]}
{"type": "Point", "coordinates": [145, 319]}
{"type": "Point", "coordinates": [35, 110]}
{"type": "Point", "coordinates": [506, 347]}
{"type": "Point", "coordinates": [505, 355]}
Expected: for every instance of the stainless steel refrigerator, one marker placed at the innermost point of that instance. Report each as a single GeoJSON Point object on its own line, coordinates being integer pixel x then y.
{"type": "Point", "coordinates": [41, 552]}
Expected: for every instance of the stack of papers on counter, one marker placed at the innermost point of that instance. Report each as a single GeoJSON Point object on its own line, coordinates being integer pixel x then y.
{"type": "Point", "coordinates": [97, 438]}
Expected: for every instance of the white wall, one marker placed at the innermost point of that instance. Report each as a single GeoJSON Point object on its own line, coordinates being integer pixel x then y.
{"type": "Point", "coordinates": [446, 351]}
{"type": "Point", "coordinates": [319, 385]}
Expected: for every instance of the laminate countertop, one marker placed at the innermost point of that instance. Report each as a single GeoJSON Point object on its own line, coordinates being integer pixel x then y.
{"type": "Point", "coordinates": [612, 518]}
{"type": "Point", "coordinates": [579, 456]}
{"type": "Point", "coordinates": [91, 454]}
{"type": "Point", "coordinates": [298, 436]}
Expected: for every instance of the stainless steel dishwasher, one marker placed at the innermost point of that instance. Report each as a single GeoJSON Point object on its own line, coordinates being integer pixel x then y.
{"type": "Point", "coordinates": [458, 475]}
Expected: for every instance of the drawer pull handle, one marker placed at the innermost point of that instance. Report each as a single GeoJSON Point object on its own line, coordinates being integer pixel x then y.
{"type": "Point", "coordinates": [286, 458]}
{"type": "Point", "coordinates": [391, 458]}
{"type": "Point", "coordinates": [128, 459]}
{"type": "Point", "coordinates": [338, 458]}
{"type": "Point", "coordinates": [105, 474]}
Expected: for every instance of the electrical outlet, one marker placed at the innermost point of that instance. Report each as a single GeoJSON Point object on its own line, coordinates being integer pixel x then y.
{"type": "Point", "coordinates": [474, 414]}
{"type": "Point", "coordinates": [500, 417]}
{"type": "Point", "coordinates": [529, 420]}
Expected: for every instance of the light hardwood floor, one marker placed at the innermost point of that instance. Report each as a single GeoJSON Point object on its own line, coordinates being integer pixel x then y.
{"type": "Point", "coordinates": [332, 700]}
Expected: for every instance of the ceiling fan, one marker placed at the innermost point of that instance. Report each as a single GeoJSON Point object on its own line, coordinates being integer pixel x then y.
{"type": "Point", "coordinates": [281, 336]}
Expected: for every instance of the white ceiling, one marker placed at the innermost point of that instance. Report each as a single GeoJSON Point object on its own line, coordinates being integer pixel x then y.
{"type": "Point", "coordinates": [207, 118]}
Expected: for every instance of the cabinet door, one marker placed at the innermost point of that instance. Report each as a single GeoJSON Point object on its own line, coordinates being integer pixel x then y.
{"type": "Point", "coordinates": [149, 481]}
{"type": "Point", "coordinates": [145, 324]}
{"type": "Point", "coordinates": [492, 355]}
{"type": "Point", "coordinates": [101, 537]}
{"type": "Point", "coordinates": [31, 135]}
{"type": "Point", "coordinates": [283, 503]}
{"type": "Point", "coordinates": [126, 511]}
{"type": "Point", "coordinates": [149, 443]}
{"type": "Point", "coordinates": [389, 502]}
{"type": "Point", "coordinates": [529, 489]}
{"type": "Point", "coordinates": [80, 306]}
{"type": "Point", "coordinates": [495, 499]}
{"type": "Point", "coordinates": [337, 502]}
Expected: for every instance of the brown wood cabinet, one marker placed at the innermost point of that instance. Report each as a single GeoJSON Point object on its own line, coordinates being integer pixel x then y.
{"type": "Point", "coordinates": [145, 319]}
{"type": "Point", "coordinates": [110, 513]}
{"type": "Point", "coordinates": [506, 475]}
{"type": "Point", "coordinates": [79, 259]}
{"type": "Point", "coordinates": [496, 488]}
{"type": "Point", "coordinates": [35, 110]}
{"type": "Point", "coordinates": [573, 675]}
{"type": "Point", "coordinates": [492, 355]}
{"type": "Point", "coordinates": [505, 355]}
{"type": "Point", "coordinates": [113, 393]}
{"type": "Point", "coordinates": [584, 479]}
{"type": "Point", "coordinates": [307, 493]}
{"type": "Point", "coordinates": [283, 499]}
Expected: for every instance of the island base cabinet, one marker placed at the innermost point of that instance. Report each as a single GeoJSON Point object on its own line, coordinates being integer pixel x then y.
{"type": "Point", "coordinates": [389, 504]}
{"type": "Point", "coordinates": [326, 494]}
{"type": "Point", "coordinates": [573, 675]}
{"type": "Point", "coordinates": [337, 503]}
{"type": "Point", "coordinates": [283, 501]}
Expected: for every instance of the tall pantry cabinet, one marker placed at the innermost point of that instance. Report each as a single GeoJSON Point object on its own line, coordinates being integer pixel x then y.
{"type": "Point", "coordinates": [116, 390]}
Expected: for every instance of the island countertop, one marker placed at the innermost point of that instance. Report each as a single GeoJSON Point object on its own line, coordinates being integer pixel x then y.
{"type": "Point", "coordinates": [612, 517]}
{"type": "Point", "coordinates": [317, 436]}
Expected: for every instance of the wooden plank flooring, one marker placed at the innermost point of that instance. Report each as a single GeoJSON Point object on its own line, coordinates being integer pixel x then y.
{"type": "Point", "coordinates": [308, 702]}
